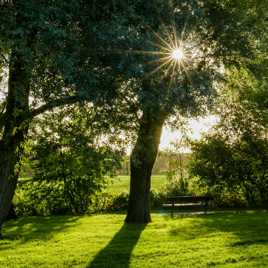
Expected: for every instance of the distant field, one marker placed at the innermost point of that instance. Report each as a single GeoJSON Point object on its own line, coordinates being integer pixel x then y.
{"type": "Point", "coordinates": [121, 183]}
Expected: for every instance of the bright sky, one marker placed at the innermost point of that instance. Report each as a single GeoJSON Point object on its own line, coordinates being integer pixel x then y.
{"type": "Point", "coordinates": [197, 126]}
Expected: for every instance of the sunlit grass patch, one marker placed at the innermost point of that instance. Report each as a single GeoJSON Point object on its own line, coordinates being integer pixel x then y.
{"type": "Point", "coordinates": [225, 240]}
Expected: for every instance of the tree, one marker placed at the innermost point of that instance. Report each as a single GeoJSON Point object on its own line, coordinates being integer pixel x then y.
{"type": "Point", "coordinates": [168, 57]}
{"type": "Point", "coordinates": [235, 155]}
{"type": "Point", "coordinates": [214, 35]}
{"type": "Point", "coordinates": [50, 65]}
{"type": "Point", "coordinates": [243, 168]}
{"type": "Point", "coordinates": [21, 25]}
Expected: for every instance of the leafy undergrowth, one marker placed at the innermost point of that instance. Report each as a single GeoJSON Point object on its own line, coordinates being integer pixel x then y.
{"type": "Point", "coordinates": [226, 240]}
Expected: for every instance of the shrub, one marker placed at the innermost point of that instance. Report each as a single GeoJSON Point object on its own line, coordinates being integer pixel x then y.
{"type": "Point", "coordinates": [40, 198]}
{"type": "Point", "coordinates": [238, 168]}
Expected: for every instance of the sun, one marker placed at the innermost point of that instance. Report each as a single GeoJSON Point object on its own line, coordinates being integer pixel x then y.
{"type": "Point", "coordinates": [172, 54]}
{"type": "Point", "coordinates": [172, 58]}
{"type": "Point", "coordinates": [177, 54]}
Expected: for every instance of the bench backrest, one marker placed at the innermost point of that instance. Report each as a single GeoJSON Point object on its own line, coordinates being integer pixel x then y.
{"type": "Point", "coordinates": [188, 199]}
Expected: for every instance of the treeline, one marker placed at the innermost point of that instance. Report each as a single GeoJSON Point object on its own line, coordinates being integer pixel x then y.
{"type": "Point", "coordinates": [162, 165]}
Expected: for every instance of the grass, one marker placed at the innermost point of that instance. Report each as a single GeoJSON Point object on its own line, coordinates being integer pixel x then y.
{"type": "Point", "coordinates": [121, 183]}
{"type": "Point", "coordinates": [223, 240]}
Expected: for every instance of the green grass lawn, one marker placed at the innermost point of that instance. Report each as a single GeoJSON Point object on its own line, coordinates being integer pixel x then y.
{"type": "Point", "coordinates": [220, 240]}
{"type": "Point", "coordinates": [121, 183]}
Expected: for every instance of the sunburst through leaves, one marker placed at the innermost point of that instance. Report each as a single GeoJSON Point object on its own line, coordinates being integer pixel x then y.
{"type": "Point", "coordinates": [174, 54]}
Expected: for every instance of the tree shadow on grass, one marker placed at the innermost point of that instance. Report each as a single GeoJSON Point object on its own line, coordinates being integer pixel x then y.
{"type": "Point", "coordinates": [248, 228]}
{"type": "Point", "coordinates": [118, 252]}
{"type": "Point", "coordinates": [26, 229]}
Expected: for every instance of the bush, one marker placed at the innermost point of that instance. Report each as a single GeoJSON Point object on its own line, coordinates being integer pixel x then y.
{"type": "Point", "coordinates": [236, 169]}
{"type": "Point", "coordinates": [157, 199]}
{"type": "Point", "coordinates": [40, 198]}
{"type": "Point", "coordinates": [106, 202]}
{"type": "Point", "coordinates": [177, 187]}
{"type": "Point", "coordinates": [224, 198]}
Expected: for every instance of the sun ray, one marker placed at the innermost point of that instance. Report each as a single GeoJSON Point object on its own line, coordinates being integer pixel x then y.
{"type": "Point", "coordinates": [169, 68]}
{"type": "Point", "coordinates": [171, 38]}
{"type": "Point", "coordinates": [184, 29]}
{"type": "Point", "coordinates": [160, 67]}
{"type": "Point", "coordinates": [148, 52]}
{"type": "Point", "coordinates": [163, 49]}
{"type": "Point", "coordinates": [143, 52]}
{"type": "Point", "coordinates": [162, 40]}
{"type": "Point", "coordinates": [176, 44]}
{"type": "Point", "coordinates": [173, 69]}
{"type": "Point", "coordinates": [172, 78]}
{"type": "Point", "coordinates": [188, 76]}
{"type": "Point", "coordinates": [159, 60]}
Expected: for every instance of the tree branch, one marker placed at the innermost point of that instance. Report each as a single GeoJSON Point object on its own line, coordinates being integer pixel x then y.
{"type": "Point", "coordinates": [4, 59]}
{"type": "Point", "coordinates": [53, 104]}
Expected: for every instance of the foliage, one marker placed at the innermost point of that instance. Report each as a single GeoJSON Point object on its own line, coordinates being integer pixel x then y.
{"type": "Point", "coordinates": [40, 198]}
{"type": "Point", "coordinates": [240, 166]}
{"type": "Point", "coordinates": [177, 187]}
{"type": "Point", "coordinates": [234, 159]}
{"type": "Point", "coordinates": [110, 202]}
{"type": "Point", "coordinates": [43, 199]}
{"type": "Point", "coordinates": [67, 155]}
{"type": "Point", "coordinates": [47, 197]}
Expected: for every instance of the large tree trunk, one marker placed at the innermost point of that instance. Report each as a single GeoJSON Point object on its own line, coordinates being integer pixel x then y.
{"type": "Point", "coordinates": [14, 130]}
{"type": "Point", "coordinates": [141, 164]}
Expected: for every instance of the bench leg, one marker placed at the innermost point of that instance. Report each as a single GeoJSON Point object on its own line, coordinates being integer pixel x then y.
{"type": "Point", "coordinates": [172, 209]}
{"type": "Point", "coordinates": [206, 207]}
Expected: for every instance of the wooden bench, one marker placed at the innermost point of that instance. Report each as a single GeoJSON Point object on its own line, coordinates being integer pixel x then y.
{"type": "Point", "coordinates": [187, 202]}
